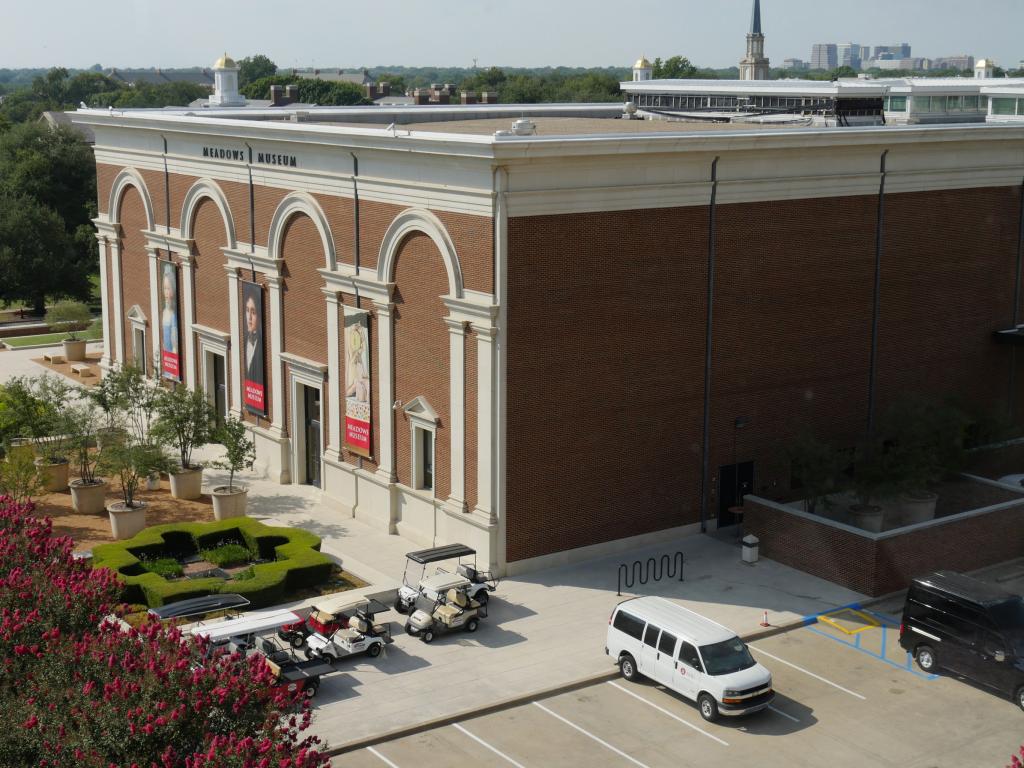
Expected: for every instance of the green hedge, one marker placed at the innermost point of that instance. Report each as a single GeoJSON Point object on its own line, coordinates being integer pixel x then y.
{"type": "Point", "coordinates": [298, 561]}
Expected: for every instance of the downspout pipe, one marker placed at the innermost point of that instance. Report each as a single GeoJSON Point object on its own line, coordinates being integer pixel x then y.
{"type": "Point", "coordinates": [879, 244]}
{"type": "Point", "coordinates": [355, 200]}
{"type": "Point", "coordinates": [710, 311]}
{"type": "Point", "coordinates": [252, 208]}
{"type": "Point", "coordinates": [167, 190]}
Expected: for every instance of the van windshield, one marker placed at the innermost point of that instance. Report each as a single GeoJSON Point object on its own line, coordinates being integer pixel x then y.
{"type": "Point", "coordinates": [1008, 615]}
{"type": "Point", "coordinates": [726, 657]}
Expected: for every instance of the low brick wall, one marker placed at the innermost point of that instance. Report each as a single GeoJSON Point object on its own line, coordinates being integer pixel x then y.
{"type": "Point", "coordinates": [879, 563]}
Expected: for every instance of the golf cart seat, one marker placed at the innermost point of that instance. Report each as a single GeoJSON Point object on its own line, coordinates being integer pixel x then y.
{"type": "Point", "coordinates": [359, 624]}
{"type": "Point", "coordinates": [456, 604]}
{"type": "Point", "coordinates": [467, 570]}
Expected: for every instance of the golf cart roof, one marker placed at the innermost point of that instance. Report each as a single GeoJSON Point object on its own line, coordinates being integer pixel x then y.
{"type": "Point", "coordinates": [434, 554]}
{"type": "Point", "coordinates": [198, 606]}
{"type": "Point", "coordinates": [250, 623]}
{"type": "Point", "coordinates": [349, 604]}
{"type": "Point", "coordinates": [440, 582]}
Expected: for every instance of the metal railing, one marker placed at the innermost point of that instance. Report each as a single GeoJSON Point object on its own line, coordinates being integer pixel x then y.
{"type": "Point", "coordinates": [651, 569]}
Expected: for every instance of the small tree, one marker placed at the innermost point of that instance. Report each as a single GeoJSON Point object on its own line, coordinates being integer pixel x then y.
{"type": "Point", "coordinates": [83, 424]}
{"type": "Point", "coordinates": [876, 474]}
{"type": "Point", "coordinates": [924, 439]}
{"type": "Point", "coordinates": [134, 400]}
{"type": "Point", "coordinates": [49, 424]}
{"type": "Point", "coordinates": [817, 466]}
{"type": "Point", "coordinates": [132, 461]}
{"type": "Point", "coordinates": [240, 452]}
{"type": "Point", "coordinates": [19, 409]}
{"type": "Point", "coordinates": [19, 478]}
{"type": "Point", "coordinates": [69, 317]}
{"type": "Point", "coordinates": [183, 419]}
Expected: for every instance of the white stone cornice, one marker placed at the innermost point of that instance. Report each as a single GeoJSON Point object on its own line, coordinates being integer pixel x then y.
{"type": "Point", "coordinates": [348, 282]}
{"type": "Point", "coordinates": [305, 365]}
{"type": "Point", "coordinates": [170, 241]}
{"type": "Point", "coordinates": [478, 310]}
{"type": "Point", "coordinates": [211, 334]}
{"type": "Point", "coordinates": [107, 228]}
{"type": "Point", "coordinates": [259, 260]}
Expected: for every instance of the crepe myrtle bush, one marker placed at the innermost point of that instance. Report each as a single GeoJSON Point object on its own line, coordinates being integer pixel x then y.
{"type": "Point", "coordinates": [78, 689]}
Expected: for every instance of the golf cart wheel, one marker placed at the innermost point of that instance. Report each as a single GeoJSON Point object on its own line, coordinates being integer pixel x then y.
{"type": "Point", "coordinates": [428, 636]}
{"type": "Point", "coordinates": [925, 656]}
{"type": "Point", "coordinates": [708, 707]}
{"type": "Point", "coordinates": [308, 652]}
{"type": "Point", "coordinates": [1019, 696]}
{"type": "Point", "coordinates": [408, 628]}
{"type": "Point", "coordinates": [399, 607]}
{"type": "Point", "coordinates": [297, 640]}
{"type": "Point", "coordinates": [627, 666]}
{"type": "Point", "coordinates": [482, 597]}
{"type": "Point", "coordinates": [471, 625]}
{"type": "Point", "coordinates": [374, 650]}
{"type": "Point", "coordinates": [311, 689]}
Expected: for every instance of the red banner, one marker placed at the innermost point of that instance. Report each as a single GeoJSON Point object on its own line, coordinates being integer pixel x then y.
{"type": "Point", "coordinates": [169, 364]}
{"type": "Point", "coordinates": [357, 434]}
{"type": "Point", "coordinates": [254, 396]}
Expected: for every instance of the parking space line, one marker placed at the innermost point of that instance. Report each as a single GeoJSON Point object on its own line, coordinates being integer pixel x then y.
{"type": "Point", "coordinates": [666, 712]}
{"type": "Point", "coordinates": [599, 740]}
{"type": "Point", "coordinates": [780, 712]}
{"type": "Point", "coordinates": [483, 743]}
{"type": "Point", "coordinates": [808, 672]}
{"type": "Point", "coordinates": [375, 753]}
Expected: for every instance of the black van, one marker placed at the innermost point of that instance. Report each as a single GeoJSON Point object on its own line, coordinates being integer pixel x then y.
{"type": "Point", "coordinates": [969, 627]}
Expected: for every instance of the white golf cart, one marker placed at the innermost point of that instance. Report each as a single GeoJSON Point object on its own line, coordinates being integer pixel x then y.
{"type": "Point", "coordinates": [481, 583]}
{"type": "Point", "coordinates": [240, 633]}
{"type": "Point", "coordinates": [454, 610]}
{"type": "Point", "coordinates": [361, 635]}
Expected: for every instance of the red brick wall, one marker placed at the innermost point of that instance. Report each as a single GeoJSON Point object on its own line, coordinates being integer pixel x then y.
{"type": "Point", "coordinates": [135, 270]}
{"type": "Point", "coordinates": [211, 281]}
{"type": "Point", "coordinates": [878, 567]}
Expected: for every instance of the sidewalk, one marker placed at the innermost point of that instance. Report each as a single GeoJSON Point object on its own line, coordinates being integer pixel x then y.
{"type": "Point", "coordinates": [544, 629]}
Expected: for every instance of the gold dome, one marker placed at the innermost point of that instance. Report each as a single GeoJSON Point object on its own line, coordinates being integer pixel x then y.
{"type": "Point", "coordinates": [642, 63]}
{"type": "Point", "coordinates": [225, 62]}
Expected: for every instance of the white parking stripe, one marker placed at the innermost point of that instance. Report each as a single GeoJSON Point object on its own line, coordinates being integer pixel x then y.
{"type": "Point", "coordinates": [807, 672]}
{"type": "Point", "coordinates": [374, 752]}
{"type": "Point", "coordinates": [602, 742]}
{"type": "Point", "coordinates": [780, 712]}
{"type": "Point", "coordinates": [483, 743]}
{"type": "Point", "coordinates": [666, 712]}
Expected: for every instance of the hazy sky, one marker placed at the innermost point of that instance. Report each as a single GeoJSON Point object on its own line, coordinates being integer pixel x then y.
{"type": "Point", "coordinates": [178, 33]}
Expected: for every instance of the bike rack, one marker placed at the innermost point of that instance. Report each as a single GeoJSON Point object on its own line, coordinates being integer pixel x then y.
{"type": "Point", "coordinates": [652, 569]}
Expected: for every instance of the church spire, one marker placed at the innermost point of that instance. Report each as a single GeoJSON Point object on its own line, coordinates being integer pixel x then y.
{"type": "Point", "coordinates": [755, 19]}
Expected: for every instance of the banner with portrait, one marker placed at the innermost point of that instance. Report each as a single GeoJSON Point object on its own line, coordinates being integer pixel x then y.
{"type": "Point", "coordinates": [253, 350]}
{"type": "Point", "coordinates": [357, 382]}
{"type": "Point", "coordinates": [170, 337]}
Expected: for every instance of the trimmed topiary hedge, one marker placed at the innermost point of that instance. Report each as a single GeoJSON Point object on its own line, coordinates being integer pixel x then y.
{"type": "Point", "coordinates": [297, 561]}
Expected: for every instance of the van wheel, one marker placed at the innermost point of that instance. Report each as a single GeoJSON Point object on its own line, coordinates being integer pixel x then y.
{"type": "Point", "coordinates": [925, 656]}
{"type": "Point", "coordinates": [471, 625]}
{"type": "Point", "coordinates": [708, 707]}
{"type": "Point", "coordinates": [374, 650]}
{"type": "Point", "coordinates": [1020, 696]}
{"type": "Point", "coordinates": [627, 666]}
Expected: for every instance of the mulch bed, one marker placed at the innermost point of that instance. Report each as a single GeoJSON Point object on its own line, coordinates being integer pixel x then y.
{"type": "Point", "coordinates": [64, 369]}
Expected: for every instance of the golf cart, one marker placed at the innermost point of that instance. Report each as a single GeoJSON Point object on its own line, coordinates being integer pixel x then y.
{"type": "Point", "coordinates": [329, 615]}
{"type": "Point", "coordinates": [482, 583]}
{"type": "Point", "coordinates": [455, 610]}
{"type": "Point", "coordinates": [239, 634]}
{"type": "Point", "coordinates": [199, 606]}
{"type": "Point", "coordinates": [360, 636]}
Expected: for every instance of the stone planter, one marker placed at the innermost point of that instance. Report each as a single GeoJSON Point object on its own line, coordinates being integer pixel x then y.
{"type": "Point", "coordinates": [916, 507]}
{"type": "Point", "coordinates": [187, 483]}
{"type": "Point", "coordinates": [74, 350]}
{"type": "Point", "coordinates": [228, 503]}
{"type": "Point", "coordinates": [126, 521]}
{"type": "Point", "coordinates": [54, 476]}
{"type": "Point", "coordinates": [868, 518]}
{"type": "Point", "coordinates": [88, 499]}
{"type": "Point", "coordinates": [108, 436]}
{"type": "Point", "coordinates": [153, 482]}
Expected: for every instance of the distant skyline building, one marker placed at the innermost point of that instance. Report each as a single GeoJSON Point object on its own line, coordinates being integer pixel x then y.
{"type": "Point", "coordinates": [824, 56]}
{"type": "Point", "coordinates": [848, 55]}
{"type": "Point", "coordinates": [755, 66]}
{"type": "Point", "coordinates": [961, 61]}
{"type": "Point", "coordinates": [899, 51]}
{"type": "Point", "coordinates": [794, 64]}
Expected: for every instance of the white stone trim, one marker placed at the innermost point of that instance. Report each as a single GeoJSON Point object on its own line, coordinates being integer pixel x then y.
{"type": "Point", "coordinates": [170, 241]}
{"type": "Point", "coordinates": [234, 359]}
{"type": "Point", "coordinates": [129, 177]}
{"type": "Point", "coordinates": [207, 188]}
{"type": "Point", "coordinates": [485, 453]}
{"type": "Point", "coordinates": [253, 259]}
{"type": "Point", "coordinates": [278, 426]}
{"type": "Point", "coordinates": [189, 315]}
{"type": "Point", "coordinates": [457, 409]}
{"type": "Point", "coordinates": [499, 539]}
{"type": "Point", "coordinates": [475, 307]}
{"type": "Point", "coordinates": [154, 303]}
{"type": "Point", "coordinates": [334, 382]}
{"type": "Point", "coordinates": [345, 280]}
{"type": "Point", "coordinates": [422, 418]}
{"type": "Point", "coordinates": [294, 203]}
{"type": "Point", "coordinates": [386, 388]}
{"type": "Point", "coordinates": [303, 372]}
{"type": "Point", "coordinates": [104, 248]}
{"type": "Point", "coordinates": [212, 342]}
{"type": "Point", "coordinates": [419, 220]}
{"type": "Point", "coordinates": [137, 319]}
{"type": "Point", "coordinates": [115, 269]}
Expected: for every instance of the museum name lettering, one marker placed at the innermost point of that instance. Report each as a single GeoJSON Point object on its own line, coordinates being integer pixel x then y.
{"type": "Point", "coordinates": [259, 158]}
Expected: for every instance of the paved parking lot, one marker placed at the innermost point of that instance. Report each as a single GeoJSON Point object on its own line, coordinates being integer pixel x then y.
{"type": "Point", "coordinates": [847, 696]}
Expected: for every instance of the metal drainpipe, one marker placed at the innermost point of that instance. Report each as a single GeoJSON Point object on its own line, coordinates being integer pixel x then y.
{"type": "Point", "coordinates": [1016, 306]}
{"type": "Point", "coordinates": [167, 190]}
{"type": "Point", "coordinates": [705, 454]}
{"type": "Point", "coordinates": [873, 367]}
{"type": "Point", "coordinates": [355, 224]}
{"type": "Point", "coordinates": [252, 211]}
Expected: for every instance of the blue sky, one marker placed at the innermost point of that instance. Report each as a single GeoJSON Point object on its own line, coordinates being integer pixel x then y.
{"type": "Point", "coordinates": [135, 33]}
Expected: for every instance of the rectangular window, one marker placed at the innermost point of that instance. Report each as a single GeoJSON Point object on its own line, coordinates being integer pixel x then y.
{"type": "Point", "coordinates": [688, 655]}
{"type": "Point", "coordinates": [954, 103]}
{"type": "Point", "coordinates": [139, 350]}
{"type": "Point", "coordinates": [897, 104]}
{"type": "Point", "coordinates": [629, 624]}
{"type": "Point", "coordinates": [938, 104]}
{"type": "Point", "coordinates": [651, 636]}
{"type": "Point", "coordinates": [1004, 106]}
{"type": "Point", "coordinates": [970, 103]}
{"type": "Point", "coordinates": [667, 644]}
{"type": "Point", "coordinates": [921, 103]}
{"type": "Point", "coordinates": [427, 459]}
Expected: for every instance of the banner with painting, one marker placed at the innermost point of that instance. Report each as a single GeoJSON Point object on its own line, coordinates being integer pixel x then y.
{"type": "Point", "coordinates": [357, 382]}
{"type": "Point", "coordinates": [170, 356]}
{"type": "Point", "coordinates": [254, 376]}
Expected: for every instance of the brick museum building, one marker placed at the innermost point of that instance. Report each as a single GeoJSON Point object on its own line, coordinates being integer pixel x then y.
{"type": "Point", "coordinates": [556, 336]}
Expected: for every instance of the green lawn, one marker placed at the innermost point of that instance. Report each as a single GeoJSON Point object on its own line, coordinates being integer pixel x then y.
{"type": "Point", "coordinates": [94, 332]}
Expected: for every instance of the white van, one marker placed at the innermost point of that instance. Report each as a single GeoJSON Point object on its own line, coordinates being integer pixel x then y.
{"type": "Point", "coordinates": [688, 653]}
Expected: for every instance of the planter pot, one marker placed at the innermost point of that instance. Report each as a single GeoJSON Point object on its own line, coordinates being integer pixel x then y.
{"type": "Point", "coordinates": [88, 499]}
{"type": "Point", "coordinates": [917, 507]}
{"type": "Point", "coordinates": [74, 350]}
{"type": "Point", "coordinates": [23, 446]}
{"type": "Point", "coordinates": [153, 482]}
{"type": "Point", "coordinates": [54, 476]}
{"type": "Point", "coordinates": [868, 517]}
{"type": "Point", "coordinates": [125, 521]}
{"type": "Point", "coordinates": [229, 503]}
{"type": "Point", "coordinates": [187, 483]}
{"type": "Point", "coordinates": [108, 436]}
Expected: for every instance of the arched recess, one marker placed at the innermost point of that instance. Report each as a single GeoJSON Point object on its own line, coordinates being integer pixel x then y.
{"type": "Point", "coordinates": [207, 188]}
{"type": "Point", "coordinates": [419, 220]}
{"type": "Point", "coordinates": [300, 202]}
{"type": "Point", "coordinates": [129, 177]}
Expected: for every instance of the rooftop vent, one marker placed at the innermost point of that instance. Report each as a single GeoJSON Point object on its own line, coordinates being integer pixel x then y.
{"type": "Point", "coordinates": [524, 127]}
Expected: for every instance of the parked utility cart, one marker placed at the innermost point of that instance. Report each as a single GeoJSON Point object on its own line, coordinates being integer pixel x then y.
{"type": "Point", "coordinates": [482, 583]}
{"type": "Point", "coordinates": [360, 636]}
{"type": "Point", "coordinates": [329, 615]}
{"type": "Point", "coordinates": [239, 634]}
{"type": "Point", "coordinates": [456, 610]}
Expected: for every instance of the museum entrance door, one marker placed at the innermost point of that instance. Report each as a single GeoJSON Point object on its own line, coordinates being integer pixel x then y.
{"type": "Point", "coordinates": [734, 482]}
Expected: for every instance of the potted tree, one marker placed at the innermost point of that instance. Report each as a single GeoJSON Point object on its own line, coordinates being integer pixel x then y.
{"type": "Point", "coordinates": [130, 461]}
{"type": "Point", "coordinates": [51, 429]}
{"type": "Point", "coordinates": [875, 477]}
{"type": "Point", "coordinates": [70, 317]}
{"type": "Point", "coordinates": [817, 466]}
{"type": "Point", "coordinates": [88, 492]}
{"type": "Point", "coordinates": [183, 419]}
{"type": "Point", "coordinates": [239, 453]}
{"type": "Point", "coordinates": [106, 397]}
{"type": "Point", "coordinates": [18, 408]}
{"type": "Point", "coordinates": [19, 478]}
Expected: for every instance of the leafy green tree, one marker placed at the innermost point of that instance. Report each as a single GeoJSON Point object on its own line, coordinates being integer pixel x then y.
{"type": "Point", "coordinates": [254, 68]}
{"type": "Point", "coordinates": [322, 92]}
{"type": "Point", "coordinates": [397, 82]}
{"type": "Point", "coordinates": [674, 68]}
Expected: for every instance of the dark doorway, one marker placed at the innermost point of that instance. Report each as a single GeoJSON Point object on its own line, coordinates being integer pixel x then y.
{"type": "Point", "coordinates": [220, 389]}
{"type": "Point", "coordinates": [311, 412]}
{"type": "Point", "coordinates": [734, 482]}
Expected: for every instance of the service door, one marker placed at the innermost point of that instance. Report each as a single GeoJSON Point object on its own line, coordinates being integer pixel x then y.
{"type": "Point", "coordinates": [220, 388]}
{"type": "Point", "coordinates": [734, 482]}
{"type": "Point", "coordinates": [687, 672]}
{"type": "Point", "coordinates": [312, 435]}
{"type": "Point", "coordinates": [665, 663]}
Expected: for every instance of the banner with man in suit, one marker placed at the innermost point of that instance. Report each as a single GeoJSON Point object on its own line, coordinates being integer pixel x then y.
{"type": "Point", "coordinates": [253, 349]}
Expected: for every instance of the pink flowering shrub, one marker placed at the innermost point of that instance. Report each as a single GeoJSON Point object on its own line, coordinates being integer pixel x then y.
{"type": "Point", "coordinates": [1017, 761]}
{"type": "Point", "coordinates": [76, 690]}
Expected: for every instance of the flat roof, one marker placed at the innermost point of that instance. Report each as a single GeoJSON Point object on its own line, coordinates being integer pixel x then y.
{"type": "Point", "coordinates": [851, 87]}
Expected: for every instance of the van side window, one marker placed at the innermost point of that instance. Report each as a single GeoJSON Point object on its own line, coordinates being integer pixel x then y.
{"type": "Point", "coordinates": [667, 644]}
{"type": "Point", "coordinates": [651, 636]}
{"type": "Point", "coordinates": [993, 644]}
{"type": "Point", "coordinates": [631, 625]}
{"type": "Point", "coordinates": [688, 655]}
